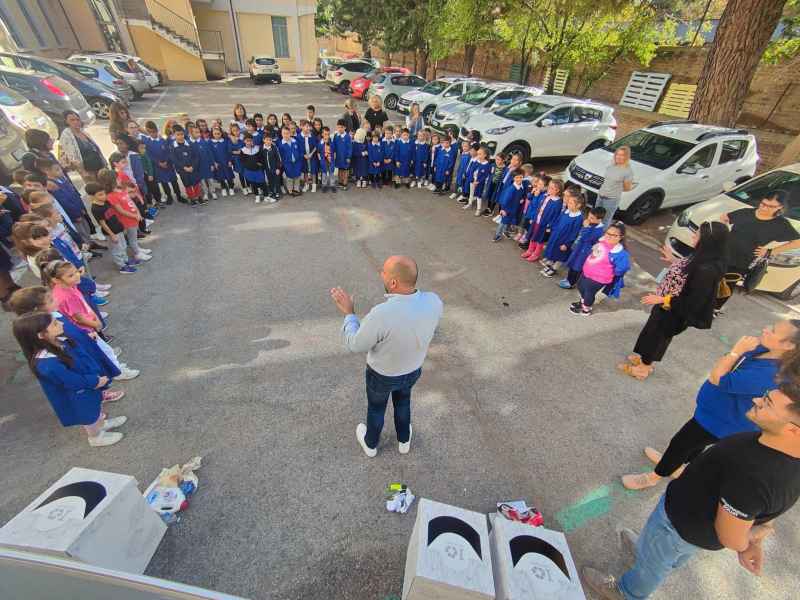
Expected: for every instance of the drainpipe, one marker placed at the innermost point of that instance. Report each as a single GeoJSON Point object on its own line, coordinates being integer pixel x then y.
{"type": "Point", "coordinates": [236, 40]}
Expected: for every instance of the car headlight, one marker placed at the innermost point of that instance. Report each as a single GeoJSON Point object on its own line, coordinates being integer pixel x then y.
{"type": "Point", "coordinates": [499, 130]}
{"type": "Point", "coordinates": [571, 166]}
{"type": "Point", "coordinates": [684, 218]}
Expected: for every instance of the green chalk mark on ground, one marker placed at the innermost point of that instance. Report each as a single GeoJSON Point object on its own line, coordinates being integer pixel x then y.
{"type": "Point", "coordinates": [593, 505]}
{"type": "Point", "coordinates": [724, 339]}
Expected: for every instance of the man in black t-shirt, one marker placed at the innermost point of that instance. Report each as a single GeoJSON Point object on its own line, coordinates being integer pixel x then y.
{"type": "Point", "coordinates": [726, 498]}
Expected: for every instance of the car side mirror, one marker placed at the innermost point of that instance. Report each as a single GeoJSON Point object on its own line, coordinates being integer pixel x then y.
{"type": "Point", "coordinates": [546, 123]}
{"type": "Point", "coordinates": [688, 170]}
{"type": "Point", "coordinates": [728, 186]}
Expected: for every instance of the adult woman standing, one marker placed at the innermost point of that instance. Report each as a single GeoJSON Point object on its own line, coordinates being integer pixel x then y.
{"type": "Point", "coordinates": [77, 150]}
{"type": "Point", "coordinates": [119, 116]}
{"type": "Point", "coordinates": [414, 121]}
{"type": "Point", "coordinates": [746, 372]}
{"type": "Point", "coordinates": [753, 229]}
{"type": "Point", "coordinates": [40, 146]}
{"type": "Point", "coordinates": [375, 114]}
{"type": "Point", "coordinates": [351, 118]}
{"type": "Point", "coordinates": [684, 298]}
{"type": "Point", "coordinates": [618, 178]}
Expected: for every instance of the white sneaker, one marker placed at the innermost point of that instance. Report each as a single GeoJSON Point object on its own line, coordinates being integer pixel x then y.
{"type": "Point", "coordinates": [361, 433]}
{"type": "Point", "coordinates": [114, 423]}
{"type": "Point", "coordinates": [101, 294]}
{"type": "Point", "coordinates": [272, 200]}
{"type": "Point", "coordinates": [98, 237]}
{"type": "Point", "coordinates": [404, 447]}
{"type": "Point", "coordinates": [105, 438]}
{"type": "Point", "coordinates": [454, 195]}
{"type": "Point", "coordinates": [127, 374]}
{"type": "Point", "coordinates": [144, 250]}
{"type": "Point", "coordinates": [459, 198]}
{"type": "Point", "coordinates": [103, 315]}
{"type": "Point", "coordinates": [144, 257]}
{"type": "Point", "coordinates": [431, 187]}
{"type": "Point", "coordinates": [313, 188]}
{"type": "Point", "coordinates": [412, 184]}
{"type": "Point", "coordinates": [148, 223]}
{"type": "Point", "coordinates": [117, 351]}
{"type": "Point", "coordinates": [103, 286]}
{"type": "Point", "coordinates": [245, 192]}
{"type": "Point", "coordinates": [214, 196]}
{"type": "Point", "coordinates": [259, 199]}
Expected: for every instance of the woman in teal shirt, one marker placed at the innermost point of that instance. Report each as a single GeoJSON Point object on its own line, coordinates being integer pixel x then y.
{"type": "Point", "coordinates": [746, 372]}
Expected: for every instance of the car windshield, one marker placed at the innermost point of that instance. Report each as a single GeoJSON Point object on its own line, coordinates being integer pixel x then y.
{"type": "Point", "coordinates": [265, 61]}
{"type": "Point", "coordinates": [380, 78]}
{"type": "Point", "coordinates": [122, 66]}
{"type": "Point", "coordinates": [526, 111]}
{"type": "Point", "coordinates": [658, 151]}
{"type": "Point", "coordinates": [434, 87]}
{"type": "Point", "coordinates": [476, 96]}
{"type": "Point", "coordinates": [753, 191]}
{"type": "Point", "coordinates": [10, 98]}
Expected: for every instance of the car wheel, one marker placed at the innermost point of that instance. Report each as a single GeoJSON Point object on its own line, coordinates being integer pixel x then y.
{"type": "Point", "coordinates": [595, 145]}
{"type": "Point", "coordinates": [279, 80]}
{"type": "Point", "coordinates": [518, 148]}
{"type": "Point", "coordinates": [343, 87]}
{"type": "Point", "coordinates": [427, 114]}
{"type": "Point", "coordinates": [642, 208]}
{"type": "Point", "coordinates": [391, 102]}
{"type": "Point", "coordinates": [100, 107]}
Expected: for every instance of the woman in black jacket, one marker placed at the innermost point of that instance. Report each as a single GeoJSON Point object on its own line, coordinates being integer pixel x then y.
{"type": "Point", "coordinates": [684, 298]}
{"type": "Point", "coordinates": [351, 118]}
{"type": "Point", "coordinates": [375, 114]}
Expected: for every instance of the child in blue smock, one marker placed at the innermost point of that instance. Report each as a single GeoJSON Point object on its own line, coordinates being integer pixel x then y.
{"type": "Point", "coordinates": [422, 156]}
{"type": "Point", "coordinates": [508, 201]}
{"type": "Point", "coordinates": [436, 145]}
{"type": "Point", "coordinates": [223, 166]}
{"type": "Point", "coordinates": [343, 152]}
{"type": "Point", "coordinates": [388, 152]}
{"type": "Point", "coordinates": [292, 160]}
{"type": "Point", "coordinates": [403, 158]}
{"type": "Point", "coordinates": [565, 230]}
{"type": "Point", "coordinates": [360, 158]}
{"type": "Point", "coordinates": [466, 157]}
{"type": "Point", "coordinates": [187, 164]}
{"type": "Point", "coordinates": [308, 146]}
{"type": "Point", "coordinates": [158, 149]}
{"type": "Point", "coordinates": [206, 166]}
{"type": "Point", "coordinates": [590, 233]}
{"type": "Point", "coordinates": [480, 175]}
{"type": "Point", "coordinates": [542, 214]}
{"type": "Point", "coordinates": [443, 166]}
{"type": "Point", "coordinates": [497, 179]}
{"type": "Point", "coordinates": [537, 190]}
{"type": "Point", "coordinates": [375, 158]}
{"type": "Point", "coordinates": [71, 379]}
{"type": "Point", "coordinates": [327, 160]}
{"type": "Point", "coordinates": [236, 143]}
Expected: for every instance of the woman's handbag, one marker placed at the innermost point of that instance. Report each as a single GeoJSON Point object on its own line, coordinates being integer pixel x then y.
{"type": "Point", "coordinates": [756, 272]}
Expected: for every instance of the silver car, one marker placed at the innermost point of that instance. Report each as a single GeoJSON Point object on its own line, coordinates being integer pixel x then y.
{"type": "Point", "coordinates": [103, 75]}
{"type": "Point", "coordinates": [119, 67]}
{"type": "Point", "coordinates": [390, 86]}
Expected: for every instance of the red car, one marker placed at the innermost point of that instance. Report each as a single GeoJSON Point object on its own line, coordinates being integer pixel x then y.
{"type": "Point", "coordinates": [359, 87]}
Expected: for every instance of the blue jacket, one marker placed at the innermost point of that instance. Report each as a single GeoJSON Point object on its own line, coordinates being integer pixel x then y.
{"type": "Point", "coordinates": [310, 164]}
{"type": "Point", "coordinates": [185, 155]}
{"type": "Point", "coordinates": [236, 149]}
{"type": "Point", "coordinates": [291, 157]}
{"type": "Point", "coordinates": [342, 150]}
{"type": "Point", "coordinates": [221, 150]}
{"type": "Point", "coordinates": [402, 156]}
{"type": "Point", "coordinates": [375, 155]}
{"type": "Point", "coordinates": [326, 166]}
{"type": "Point", "coordinates": [492, 190]}
{"type": "Point", "coordinates": [565, 230]}
{"type": "Point", "coordinates": [272, 160]}
{"type": "Point", "coordinates": [69, 198]}
{"type": "Point", "coordinates": [206, 157]}
{"type": "Point", "coordinates": [158, 149]}
{"type": "Point", "coordinates": [582, 246]}
{"type": "Point", "coordinates": [89, 345]}
{"type": "Point", "coordinates": [443, 166]}
{"type": "Point", "coordinates": [509, 201]}
{"type": "Point", "coordinates": [481, 173]}
{"type": "Point", "coordinates": [549, 215]}
{"type": "Point", "coordinates": [388, 153]}
{"type": "Point", "coordinates": [422, 155]}
{"type": "Point", "coordinates": [360, 161]}
{"type": "Point", "coordinates": [461, 173]}
{"type": "Point", "coordinates": [621, 261]}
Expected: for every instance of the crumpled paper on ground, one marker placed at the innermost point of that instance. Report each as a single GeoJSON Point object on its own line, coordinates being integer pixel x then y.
{"type": "Point", "coordinates": [174, 475]}
{"type": "Point", "coordinates": [400, 502]}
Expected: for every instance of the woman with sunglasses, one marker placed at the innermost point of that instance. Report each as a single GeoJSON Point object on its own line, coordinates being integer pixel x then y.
{"type": "Point", "coordinates": [753, 230]}
{"type": "Point", "coordinates": [748, 370]}
{"type": "Point", "coordinates": [684, 298]}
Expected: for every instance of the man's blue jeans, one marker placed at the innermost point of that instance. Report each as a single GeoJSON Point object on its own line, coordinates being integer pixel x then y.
{"type": "Point", "coordinates": [659, 550]}
{"type": "Point", "coordinates": [379, 388]}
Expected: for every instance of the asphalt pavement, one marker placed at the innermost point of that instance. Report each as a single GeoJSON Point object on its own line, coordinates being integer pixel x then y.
{"type": "Point", "coordinates": [242, 364]}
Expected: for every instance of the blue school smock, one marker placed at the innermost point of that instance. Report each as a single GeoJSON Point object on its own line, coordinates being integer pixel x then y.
{"type": "Point", "coordinates": [492, 190]}
{"type": "Point", "coordinates": [464, 161]}
{"type": "Point", "coordinates": [375, 155]}
{"type": "Point", "coordinates": [721, 408]}
{"type": "Point", "coordinates": [621, 261]}
{"type": "Point", "coordinates": [157, 148]}
{"type": "Point", "coordinates": [185, 155]}
{"type": "Point", "coordinates": [206, 157]}
{"type": "Point", "coordinates": [582, 247]}
{"type": "Point", "coordinates": [292, 157]}
{"type": "Point", "coordinates": [236, 149]}
{"type": "Point", "coordinates": [258, 138]}
{"type": "Point", "coordinates": [549, 215]}
{"type": "Point", "coordinates": [360, 159]}
{"type": "Point", "coordinates": [81, 338]}
{"type": "Point", "coordinates": [422, 155]}
{"type": "Point", "coordinates": [342, 150]}
{"type": "Point", "coordinates": [469, 174]}
{"type": "Point", "coordinates": [508, 201]}
{"type": "Point", "coordinates": [388, 153]}
{"type": "Point", "coordinates": [310, 164]}
{"type": "Point", "coordinates": [443, 167]}
{"type": "Point", "coordinates": [71, 390]}
{"type": "Point", "coordinates": [252, 161]}
{"type": "Point", "coordinates": [137, 167]}
{"type": "Point", "coordinates": [402, 157]}
{"type": "Point", "coordinates": [68, 198]}
{"type": "Point", "coordinates": [565, 230]}
{"type": "Point", "coordinates": [480, 175]}
{"type": "Point", "coordinates": [221, 151]}
{"type": "Point", "coordinates": [326, 165]}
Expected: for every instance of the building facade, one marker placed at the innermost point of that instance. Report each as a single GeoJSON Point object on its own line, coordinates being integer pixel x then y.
{"type": "Point", "coordinates": [187, 40]}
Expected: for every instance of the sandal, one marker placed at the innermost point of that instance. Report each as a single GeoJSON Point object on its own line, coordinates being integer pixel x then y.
{"type": "Point", "coordinates": [635, 359]}
{"type": "Point", "coordinates": [630, 371]}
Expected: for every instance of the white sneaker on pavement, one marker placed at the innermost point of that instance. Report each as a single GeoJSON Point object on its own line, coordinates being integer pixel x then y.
{"type": "Point", "coordinates": [105, 438]}
{"type": "Point", "coordinates": [114, 423]}
{"type": "Point", "coordinates": [143, 257]}
{"type": "Point", "coordinates": [361, 434]}
{"type": "Point", "coordinates": [127, 374]}
{"type": "Point", "coordinates": [404, 447]}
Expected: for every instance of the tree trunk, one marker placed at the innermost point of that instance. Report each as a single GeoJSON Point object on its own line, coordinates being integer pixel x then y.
{"type": "Point", "coordinates": [388, 58]}
{"type": "Point", "coordinates": [366, 47]}
{"type": "Point", "coordinates": [469, 58]}
{"type": "Point", "coordinates": [423, 64]}
{"type": "Point", "coordinates": [742, 36]}
{"type": "Point", "coordinates": [790, 154]}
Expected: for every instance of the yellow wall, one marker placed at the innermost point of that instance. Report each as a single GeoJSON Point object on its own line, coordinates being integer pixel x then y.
{"type": "Point", "coordinates": [180, 7]}
{"type": "Point", "coordinates": [308, 43]}
{"type": "Point", "coordinates": [85, 24]}
{"type": "Point", "coordinates": [175, 63]}
{"type": "Point", "coordinates": [217, 20]}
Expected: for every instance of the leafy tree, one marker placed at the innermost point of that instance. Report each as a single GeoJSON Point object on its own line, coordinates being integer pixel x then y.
{"type": "Point", "coordinates": [340, 17]}
{"type": "Point", "coordinates": [467, 24]}
{"type": "Point", "coordinates": [787, 45]}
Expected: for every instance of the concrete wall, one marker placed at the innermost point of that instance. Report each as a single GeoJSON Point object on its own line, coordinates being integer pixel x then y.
{"type": "Point", "coordinates": [175, 63]}
{"type": "Point", "coordinates": [217, 20]}
{"type": "Point", "coordinates": [84, 21]}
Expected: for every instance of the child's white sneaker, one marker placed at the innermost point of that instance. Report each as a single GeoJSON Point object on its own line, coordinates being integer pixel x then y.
{"type": "Point", "coordinates": [305, 187]}
{"type": "Point", "coordinates": [258, 199]}
{"type": "Point", "coordinates": [404, 447]}
{"type": "Point", "coordinates": [431, 187]}
{"type": "Point", "coordinates": [272, 200]}
{"type": "Point", "coordinates": [245, 192]}
{"type": "Point", "coordinates": [214, 195]}
{"type": "Point", "coordinates": [143, 257]}
{"type": "Point", "coordinates": [454, 195]}
{"type": "Point", "coordinates": [313, 188]}
{"type": "Point", "coordinates": [105, 438]}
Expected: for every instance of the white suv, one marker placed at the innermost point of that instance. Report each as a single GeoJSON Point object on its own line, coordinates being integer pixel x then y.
{"type": "Point", "coordinates": [339, 77]}
{"type": "Point", "coordinates": [674, 163]}
{"type": "Point", "coordinates": [544, 126]}
{"type": "Point", "coordinates": [433, 93]}
{"type": "Point", "coordinates": [493, 96]}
